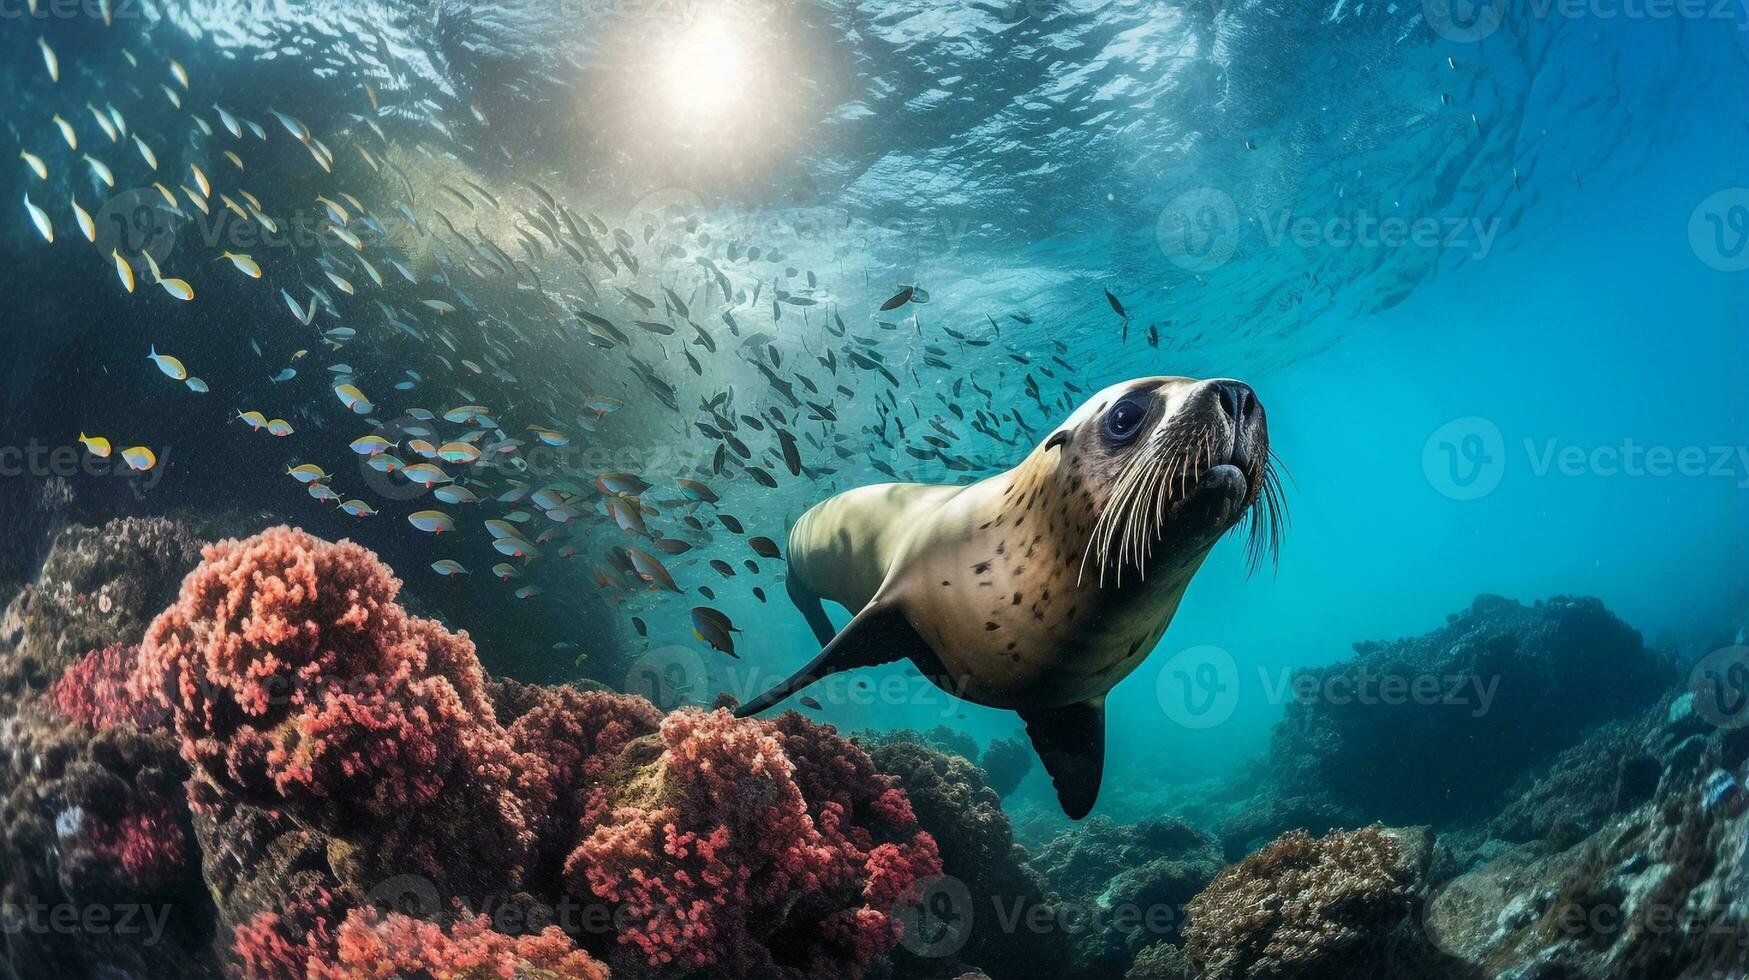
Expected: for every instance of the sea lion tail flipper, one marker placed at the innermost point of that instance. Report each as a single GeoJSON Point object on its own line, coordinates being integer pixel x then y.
{"type": "Point", "coordinates": [880, 634]}
{"type": "Point", "coordinates": [809, 604]}
{"type": "Point", "coordinates": [1070, 741]}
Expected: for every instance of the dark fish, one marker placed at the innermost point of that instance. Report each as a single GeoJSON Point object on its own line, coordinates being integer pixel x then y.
{"type": "Point", "coordinates": [898, 299]}
{"type": "Point", "coordinates": [764, 547]}
{"type": "Point", "coordinates": [792, 457]}
{"type": "Point", "coordinates": [723, 568]}
{"type": "Point", "coordinates": [762, 477]}
{"type": "Point", "coordinates": [1116, 307]}
{"type": "Point", "coordinates": [808, 702]}
{"type": "Point", "coordinates": [638, 625]}
{"type": "Point", "coordinates": [759, 593]}
{"type": "Point", "coordinates": [732, 523]}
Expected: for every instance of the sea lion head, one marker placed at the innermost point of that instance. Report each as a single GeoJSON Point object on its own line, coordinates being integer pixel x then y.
{"type": "Point", "coordinates": [1166, 465]}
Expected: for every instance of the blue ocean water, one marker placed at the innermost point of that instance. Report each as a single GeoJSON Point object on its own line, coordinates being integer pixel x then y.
{"type": "Point", "coordinates": [1446, 265]}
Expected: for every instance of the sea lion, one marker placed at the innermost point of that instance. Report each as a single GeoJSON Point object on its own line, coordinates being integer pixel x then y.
{"type": "Point", "coordinates": [1041, 587]}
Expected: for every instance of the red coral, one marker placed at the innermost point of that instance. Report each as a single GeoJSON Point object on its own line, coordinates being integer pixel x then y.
{"type": "Point", "coordinates": [281, 944]}
{"type": "Point", "coordinates": [149, 842]}
{"type": "Point", "coordinates": [94, 691]}
{"type": "Point", "coordinates": [754, 849]}
{"type": "Point", "coordinates": [373, 947]}
{"type": "Point", "coordinates": [297, 682]}
{"type": "Point", "coordinates": [301, 942]}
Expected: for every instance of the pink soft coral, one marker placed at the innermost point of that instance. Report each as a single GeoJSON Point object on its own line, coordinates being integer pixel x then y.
{"type": "Point", "coordinates": [297, 682]}
{"type": "Point", "coordinates": [94, 691]}
{"type": "Point", "coordinates": [753, 849]}
{"type": "Point", "coordinates": [303, 944]}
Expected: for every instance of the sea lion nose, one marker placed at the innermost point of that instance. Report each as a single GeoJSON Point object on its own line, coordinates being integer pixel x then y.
{"type": "Point", "coordinates": [1236, 397]}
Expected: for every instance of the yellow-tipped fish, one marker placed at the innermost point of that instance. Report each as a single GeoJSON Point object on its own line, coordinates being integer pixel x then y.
{"type": "Point", "coordinates": [101, 169]}
{"type": "Point", "coordinates": [177, 288]}
{"type": "Point", "coordinates": [146, 153]}
{"type": "Point", "coordinates": [169, 196]}
{"type": "Point", "coordinates": [169, 365]}
{"type": "Point", "coordinates": [335, 211]}
{"type": "Point", "coordinates": [229, 120]}
{"type": "Point", "coordinates": [279, 427]}
{"type": "Point", "coordinates": [140, 458]}
{"type": "Point", "coordinates": [35, 163]}
{"type": "Point", "coordinates": [197, 200]}
{"type": "Point", "coordinates": [206, 187]}
{"type": "Point", "coordinates": [41, 220]}
{"type": "Point", "coordinates": [67, 133]}
{"type": "Point", "coordinates": [345, 236]}
{"type": "Point", "coordinates": [123, 271]}
{"type": "Point", "coordinates": [307, 473]}
{"type": "Point", "coordinates": [232, 156]}
{"type": "Point", "coordinates": [87, 227]}
{"type": "Point", "coordinates": [171, 94]}
{"type": "Point", "coordinates": [179, 73]}
{"type": "Point", "coordinates": [49, 59]}
{"type": "Point", "coordinates": [255, 420]}
{"type": "Point", "coordinates": [244, 264]}
{"type": "Point", "coordinates": [104, 124]}
{"type": "Point", "coordinates": [95, 445]}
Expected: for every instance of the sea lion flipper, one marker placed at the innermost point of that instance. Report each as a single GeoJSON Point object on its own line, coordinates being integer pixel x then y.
{"type": "Point", "coordinates": [809, 605]}
{"type": "Point", "coordinates": [880, 634]}
{"type": "Point", "coordinates": [1070, 741]}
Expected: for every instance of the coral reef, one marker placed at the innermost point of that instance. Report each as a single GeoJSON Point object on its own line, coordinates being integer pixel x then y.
{"type": "Point", "coordinates": [1129, 884]}
{"type": "Point", "coordinates": [955, 806]}
{"type": "Point", "coordinates": [751, 849]}
{"type": "Point", "coordinates": [1311, 907]}
{"type": "Point", "coordinates": [295, 681]}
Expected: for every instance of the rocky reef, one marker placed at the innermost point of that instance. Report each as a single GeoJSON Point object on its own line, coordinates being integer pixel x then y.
{"type": "Point", "coordinates": [317, 783]}
{"type": "Point", "coordinates": [251, 759]}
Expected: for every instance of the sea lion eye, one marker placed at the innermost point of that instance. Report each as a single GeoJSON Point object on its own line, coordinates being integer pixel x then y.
{"type": "Point", "coordinates": [1125, 418]}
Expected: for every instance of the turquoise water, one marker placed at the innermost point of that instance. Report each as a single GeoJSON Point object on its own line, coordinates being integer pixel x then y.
{"type": "Point", "coordinates": [1578, 292]}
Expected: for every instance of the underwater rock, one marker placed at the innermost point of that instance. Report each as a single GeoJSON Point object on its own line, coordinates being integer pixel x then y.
{"type": "Point", "coordinates": [1006, 762]}
{"type": "Point", "coordinates": [96, 587]}
{"type": "Point", "coordinates": [965, 817]}
{"type": "Point", "coordinates": [1612, 771]}
{"type": "Point", "coordinates": [1659, 889]}
{"type": "Point", "coordinates": [1336, 906]}
{"type": "Point", "coordinates": [92, 822]}
{"type": "Point", "coordinates": [751, 848]}
{"type": "Point", "coordinates": [1127, 884]}
{"type": "Point", "coordinates": [1501, 688]}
